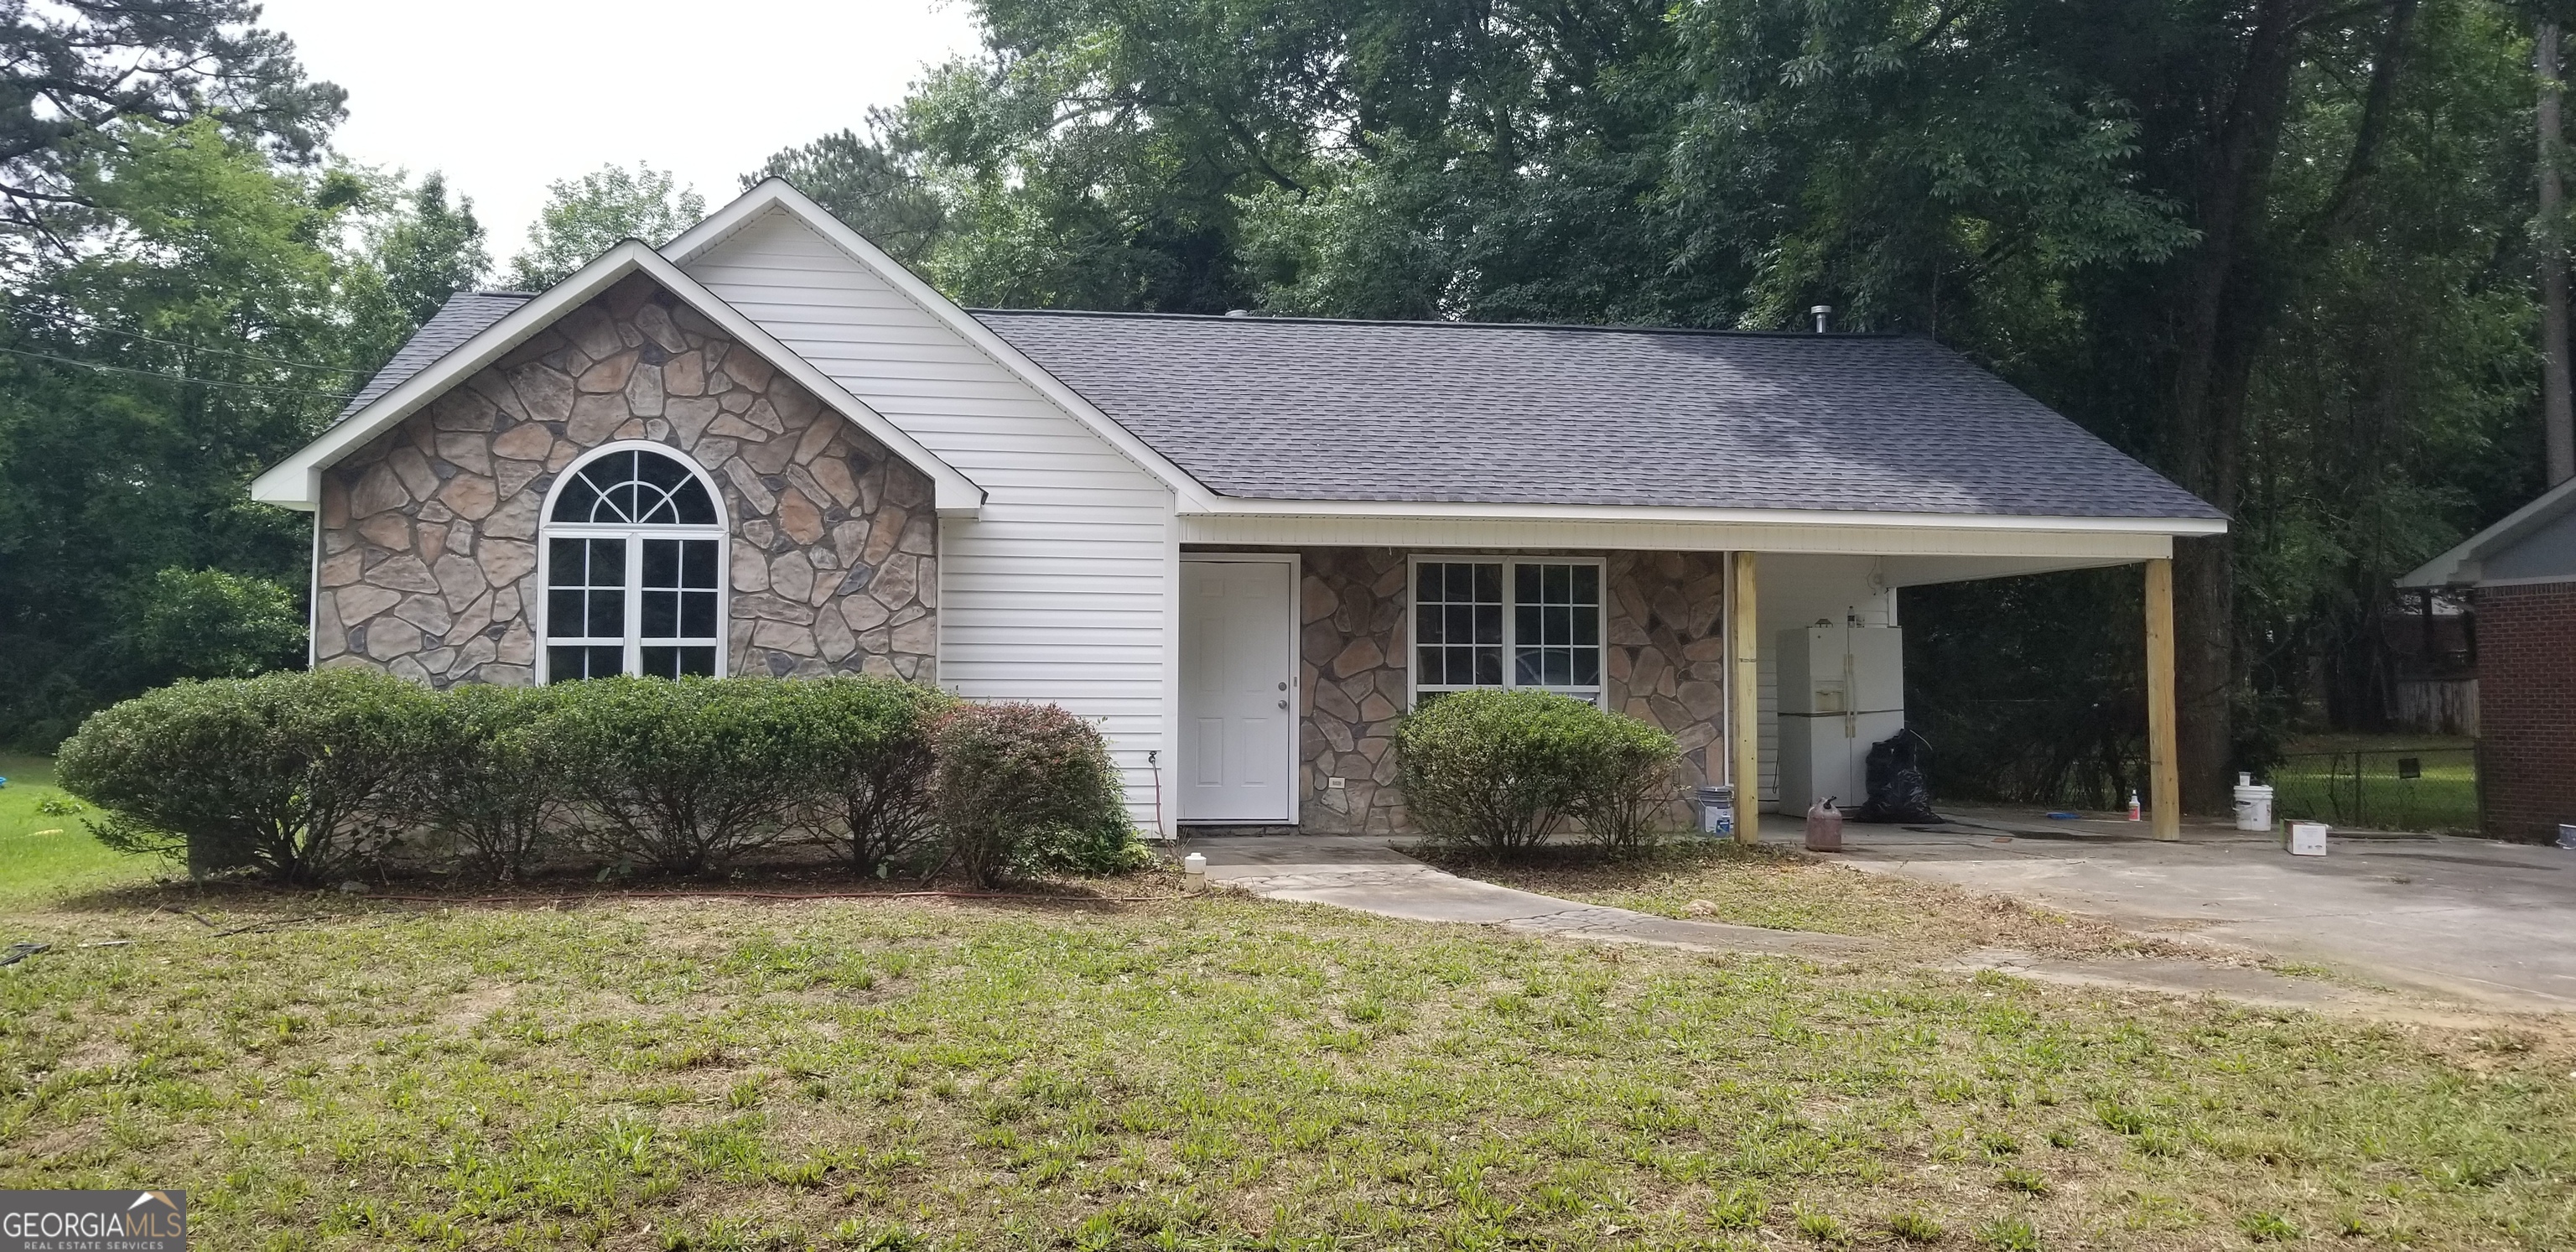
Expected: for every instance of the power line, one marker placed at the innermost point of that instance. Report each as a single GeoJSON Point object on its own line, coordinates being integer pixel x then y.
{"type": "Point", "coordinates": [247, 356]}
{"type": "Point", "coordinates": [172, 378]}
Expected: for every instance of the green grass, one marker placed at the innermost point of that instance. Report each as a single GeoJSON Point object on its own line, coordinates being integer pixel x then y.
{"type": "Point", "coordinates": [2351, 780]}
{"type": "Point", "coordinates": [44, 854]}
{"type": "Point", "coordinates": [1211, 1072]}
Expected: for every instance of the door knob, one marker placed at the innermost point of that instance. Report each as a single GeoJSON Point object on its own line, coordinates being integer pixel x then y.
{"type": "Point", "coordinates": [1283, 704]}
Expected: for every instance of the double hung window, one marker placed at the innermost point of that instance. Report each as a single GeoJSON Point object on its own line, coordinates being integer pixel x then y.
{"type": "Point", "coordinates": [634, 548]}
{"type": "Point", "coordinates": [1507, 622]}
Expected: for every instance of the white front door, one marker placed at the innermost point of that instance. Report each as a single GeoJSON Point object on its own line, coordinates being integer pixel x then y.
{"type": "Point", "coordinates": [1238, 689]}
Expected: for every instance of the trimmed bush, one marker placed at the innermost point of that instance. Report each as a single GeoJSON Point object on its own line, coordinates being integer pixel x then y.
{"type": "Point", "coordinates": [1027, 786]}
{"type": "Point", "coordinates": [485, 772]}
{"type": "Point", "coordinates": [307, 777]}
{"type": "Point", "coordinates": [289, 774]}
{"type": "Point", "coordinates": [872, 779]}
{"type": "Point", "coordinates": [1627, 784]}
{"type": "Point", "coordinates": [684, 775]}
{"type": "Point", "coordinates": [1500, 772]}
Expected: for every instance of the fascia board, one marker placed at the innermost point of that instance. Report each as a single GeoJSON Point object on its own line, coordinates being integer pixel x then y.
{"type": "Point", "coordinates": [777, 194]}
{"type": "Point", "coordinates": [2180, 527]}
{"type": "Point", "coordinates": [296, 482]}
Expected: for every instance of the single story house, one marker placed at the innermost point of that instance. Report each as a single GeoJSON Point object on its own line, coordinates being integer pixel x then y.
{"type": "Point", "coordinates": [2522, 575]}
{"type": "Point", "coordinates": [1243, 545]}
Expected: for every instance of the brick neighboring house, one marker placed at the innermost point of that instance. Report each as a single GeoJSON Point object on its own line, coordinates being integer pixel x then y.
{"type": "Point", "coordinates": [2522, 570]}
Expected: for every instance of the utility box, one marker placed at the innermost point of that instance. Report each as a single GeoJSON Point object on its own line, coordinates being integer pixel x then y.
{"type": "Point", "coordinates": [1842, 688]}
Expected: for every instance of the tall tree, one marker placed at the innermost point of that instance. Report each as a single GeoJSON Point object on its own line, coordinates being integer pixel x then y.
{"type": "Point", "coordinates": [415, 250]}
{"type": "Point", "coordinates": [586, 216]}
{"type": "Point", "coordinates": [2221, 236]}
{"type": "Point", "coordinates": [872, 182]}
{"type": "Point", "coordinates": [2558, 411]}
{"type": "Point", "coordinates": [74, 74]}
{"type": "Point", "coordinates": [194, 337]}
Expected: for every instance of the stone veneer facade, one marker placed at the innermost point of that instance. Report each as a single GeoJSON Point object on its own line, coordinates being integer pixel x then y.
{"type": "Point", "coordinates": [428, 535]}
{"type": "Point", "coordinates": [1666, 661]}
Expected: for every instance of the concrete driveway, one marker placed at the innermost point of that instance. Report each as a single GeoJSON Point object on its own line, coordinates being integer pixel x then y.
{"type": "Point", "coordinates": [2468, 919]}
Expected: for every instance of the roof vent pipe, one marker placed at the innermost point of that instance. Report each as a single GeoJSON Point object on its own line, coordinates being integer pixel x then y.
{"type": "Point", "coordinates": [1823, 313]}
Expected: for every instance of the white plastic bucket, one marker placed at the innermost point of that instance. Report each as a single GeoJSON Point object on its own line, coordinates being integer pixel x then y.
{"type": "Point", "coordinates": [2253, 804]}
{"type": "Point", "coordinates": [1716, 810]}
{"type": "Point", "coordinates": [2306, 839]}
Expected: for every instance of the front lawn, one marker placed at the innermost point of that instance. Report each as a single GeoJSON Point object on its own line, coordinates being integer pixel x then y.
{"type": "Point", "coordinates": [45, 844]}
{"type": "Point", "coordinates": [1213, 1072]}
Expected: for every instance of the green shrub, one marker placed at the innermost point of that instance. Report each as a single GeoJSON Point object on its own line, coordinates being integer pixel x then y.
{"type": "Point", "coordinates": [486, 774]}
{"type": "Point", "coordinates": [1027, 786]}
{"type": "Point", "coordinates": [1501, 771]}
{"type": "Point", "coordinates": [1627, 783]}
{"type": "Point", "coordinates": [872, 780]}
{"type": "Point", "coordinates": [684, 775]}
{"type": "Point", "coordinates": [291, 774]}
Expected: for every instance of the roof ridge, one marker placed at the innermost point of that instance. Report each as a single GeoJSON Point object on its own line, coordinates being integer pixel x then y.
{"type": "Point", "coordinates": [1446, 324]}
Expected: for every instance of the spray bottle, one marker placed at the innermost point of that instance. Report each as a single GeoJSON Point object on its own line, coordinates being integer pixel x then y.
{"type": "Point", "coordinates": [2134, 813]}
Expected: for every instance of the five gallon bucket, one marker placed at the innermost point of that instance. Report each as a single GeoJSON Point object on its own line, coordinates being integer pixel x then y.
{"type": "Point", "coordinates": [2253, 804]}
{"type": "Point", "coordinates": [1716, 810]}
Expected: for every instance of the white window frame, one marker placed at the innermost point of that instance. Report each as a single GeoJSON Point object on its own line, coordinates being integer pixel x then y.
{"type": "Point", "coordinates": [1598, 694]}
{"type": "Point", "coordinates": [549, 529]}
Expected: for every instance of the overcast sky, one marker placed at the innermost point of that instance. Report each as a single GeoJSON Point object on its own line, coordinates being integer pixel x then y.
{"type": "Point", "coordinates": [508, 95]}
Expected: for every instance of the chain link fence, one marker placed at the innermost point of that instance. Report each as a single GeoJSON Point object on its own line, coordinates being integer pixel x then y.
{"type": "Point", "coordinates": [2426, 787]}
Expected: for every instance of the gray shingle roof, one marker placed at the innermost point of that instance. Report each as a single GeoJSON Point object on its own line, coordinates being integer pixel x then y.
{"type": "Point", "coordinates": [463, 316]}
{"type": "Point", "coordinates": [1294, 408]}
{"type": "Point", "coordinates": [1291, 408]}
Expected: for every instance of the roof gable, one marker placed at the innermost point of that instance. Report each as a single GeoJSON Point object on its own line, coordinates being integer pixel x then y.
{"type": "Point", "coordinates": [776, 196]}
{"type": "Point", "coordinates": [2547, 525]}
{"type": "Point", "coordinates": [435, 364]}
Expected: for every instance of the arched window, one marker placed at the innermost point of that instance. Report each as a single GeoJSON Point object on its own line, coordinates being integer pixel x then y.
{"type": "Point", "coordinates": [634, 567]}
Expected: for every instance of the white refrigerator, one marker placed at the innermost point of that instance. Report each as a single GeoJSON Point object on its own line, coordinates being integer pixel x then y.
{"type": "Point", "coordinates": [1842, 688]}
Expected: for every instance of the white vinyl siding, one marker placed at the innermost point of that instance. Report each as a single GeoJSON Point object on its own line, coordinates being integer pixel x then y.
{"type": "Point", "coordinates": [1060, 591]}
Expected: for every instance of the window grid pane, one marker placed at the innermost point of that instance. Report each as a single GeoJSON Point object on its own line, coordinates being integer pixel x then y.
{"type": "Point", "coordinates": [1557, 625]}
{"type": "Point", "coordinates": [1458, 623]}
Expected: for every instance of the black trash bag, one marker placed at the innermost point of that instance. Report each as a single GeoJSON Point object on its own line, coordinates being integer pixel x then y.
{"type": "Point", "coordinates": [1899, 789]}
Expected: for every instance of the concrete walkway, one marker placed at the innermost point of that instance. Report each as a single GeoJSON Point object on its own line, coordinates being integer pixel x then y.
{"type": "Point", "coordinates": [2466, 919]}
{"type": "Point", "coordinates": [1366, 875]}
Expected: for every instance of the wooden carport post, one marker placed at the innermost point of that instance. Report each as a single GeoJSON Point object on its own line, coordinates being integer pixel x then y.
{"type": "Point", "coordinates": [1744, 694]}
{"type": "Point", "coordinates": [2164, 779]}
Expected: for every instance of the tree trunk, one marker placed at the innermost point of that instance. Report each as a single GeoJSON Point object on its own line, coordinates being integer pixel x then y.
{"type": "Point", "coordinates": [2226, 296]}
{"type": "Point", "coordinates": [2557, 415]}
